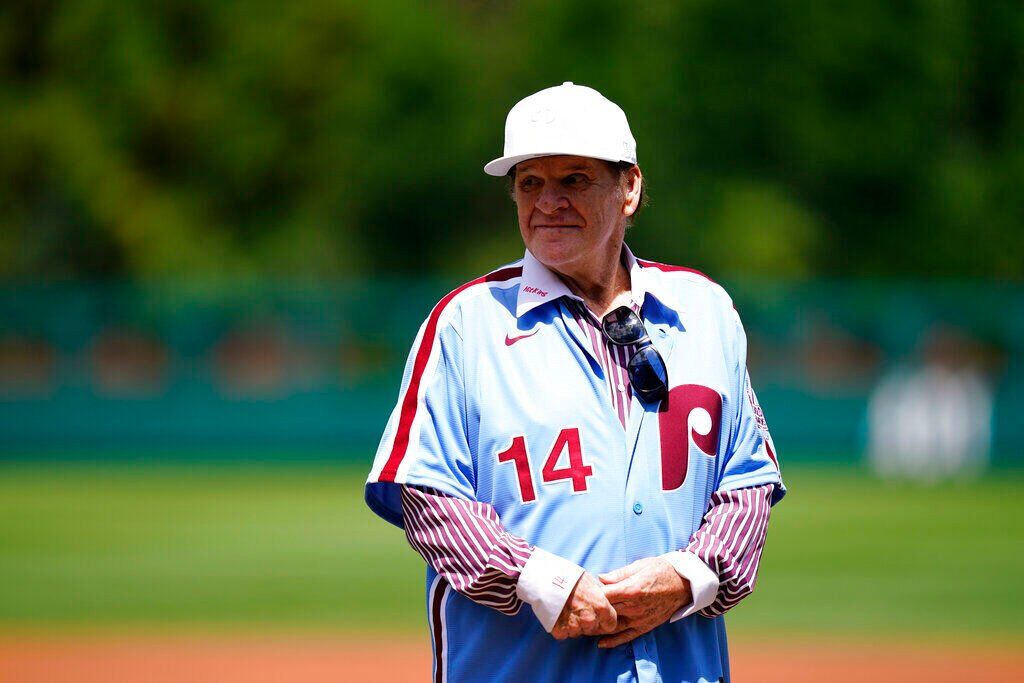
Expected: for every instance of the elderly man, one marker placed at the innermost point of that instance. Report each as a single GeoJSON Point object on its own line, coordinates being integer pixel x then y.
{"type": "Point", "coordinates": [577, 432]}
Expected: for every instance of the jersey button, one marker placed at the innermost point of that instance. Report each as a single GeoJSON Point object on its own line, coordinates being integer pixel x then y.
{"type": "Point", "coordinates": [638, 508]}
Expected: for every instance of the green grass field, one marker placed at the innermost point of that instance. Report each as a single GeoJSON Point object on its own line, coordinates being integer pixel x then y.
{"type": "Point", "coordinates": [293, 547]}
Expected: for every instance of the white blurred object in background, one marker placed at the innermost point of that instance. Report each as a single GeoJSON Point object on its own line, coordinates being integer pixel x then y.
{"type": "Point", "coordinates": [932, 421]}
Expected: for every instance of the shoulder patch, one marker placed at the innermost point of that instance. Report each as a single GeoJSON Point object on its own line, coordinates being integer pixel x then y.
{"type": "Point", "coordinates": [762, 424]}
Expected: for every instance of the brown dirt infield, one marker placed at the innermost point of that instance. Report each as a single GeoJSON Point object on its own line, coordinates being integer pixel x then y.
{"type": "Point", "coordinates": [315, 659]}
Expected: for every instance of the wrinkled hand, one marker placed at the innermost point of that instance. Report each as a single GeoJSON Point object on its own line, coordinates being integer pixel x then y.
{"type": "Point", "coordinates": [587, 612]}
{"type": "Point", "coordinates": [644, 595]}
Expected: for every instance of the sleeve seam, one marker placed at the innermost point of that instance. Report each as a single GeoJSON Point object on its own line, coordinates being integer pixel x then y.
{"type": "Point", "coordinates": [440, 484]}
{"type": "Point", "coordinates": [750, 481]}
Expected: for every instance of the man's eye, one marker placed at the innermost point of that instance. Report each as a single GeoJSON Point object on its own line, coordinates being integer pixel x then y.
{"type": "Point", "coordinates": [528, 184]}
{"type": "Point", "coordinates": [574, 179]}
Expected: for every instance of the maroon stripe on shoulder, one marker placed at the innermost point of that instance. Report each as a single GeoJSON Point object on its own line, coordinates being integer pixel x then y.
{"type": "Point", "coordinates": [664, 267]}
{"type": "Point", "coordinates": [438, 629]}
{"type": "Point", "coordinates": [408, 413]}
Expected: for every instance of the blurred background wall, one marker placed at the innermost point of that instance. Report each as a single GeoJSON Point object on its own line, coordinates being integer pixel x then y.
{"type": "Point", "coordinates": [220, 223]}
{"type": "Point", "coordinates": [304, 370]}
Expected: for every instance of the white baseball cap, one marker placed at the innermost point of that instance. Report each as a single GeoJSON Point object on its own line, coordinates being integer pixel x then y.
{"type": "Point", "coordinates": [566, 119]}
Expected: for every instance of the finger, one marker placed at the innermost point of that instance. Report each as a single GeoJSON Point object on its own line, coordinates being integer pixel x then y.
{"type": "Point", "coordinates": [628, 612]}
{"type": "Point", "coordinates": [601, 620]}
{"type": "Point", "coordinates": [558, 630]}
{"type": "Point", "coordinates": [621, 624]}
{"type": "Point", "coordinates": [612, 576]}
{"type": "Point", "coordinates": [617, 639]}
{"type": "Point", "coordinates": [622, 591]}
{"type": "Point", "coordinates": [607, 619]}
{"type": "Point", "coordinates": [572, 626]}
{"type": "Point", "coordinates": [619, 574]}
{"type": "Point", "coordinates": [588, 622]}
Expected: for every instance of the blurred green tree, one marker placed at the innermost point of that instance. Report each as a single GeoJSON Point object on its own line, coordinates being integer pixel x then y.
{"type": "Point", "coordinates": [322, 139]}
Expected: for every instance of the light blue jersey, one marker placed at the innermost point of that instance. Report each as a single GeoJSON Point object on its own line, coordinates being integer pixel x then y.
{"type": "Point", "coordinates": [503, 401]}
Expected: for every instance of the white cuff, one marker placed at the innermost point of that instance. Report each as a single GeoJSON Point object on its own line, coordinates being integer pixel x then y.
{"type": "Point", "coordinates": [703, 581]}
{"type": "Point", "coordinates": [545, 584]}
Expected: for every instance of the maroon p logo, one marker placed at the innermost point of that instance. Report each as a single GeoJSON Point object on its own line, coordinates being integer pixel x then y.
{"type": "Point", "coordinates": [691, 410]}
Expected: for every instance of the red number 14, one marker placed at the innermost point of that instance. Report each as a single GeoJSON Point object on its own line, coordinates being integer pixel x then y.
{"type": "Point", "coordinates": [576, 471]}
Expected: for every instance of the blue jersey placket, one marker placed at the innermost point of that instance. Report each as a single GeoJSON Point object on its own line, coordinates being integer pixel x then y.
{"type": "Point", "coordinates": [599, 384]}
{"type": "Point", "coordinates": [664, 343]}
{"type": "Point", "coordinates": [644, 649]}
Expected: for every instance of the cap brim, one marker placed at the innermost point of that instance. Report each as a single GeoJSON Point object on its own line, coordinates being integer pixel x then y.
{"type": "Point", "coordinates": [501, 165]}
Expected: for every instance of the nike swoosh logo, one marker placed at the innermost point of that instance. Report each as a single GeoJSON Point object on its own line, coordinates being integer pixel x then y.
{"type": "Point", "coordinates": [509, 341]}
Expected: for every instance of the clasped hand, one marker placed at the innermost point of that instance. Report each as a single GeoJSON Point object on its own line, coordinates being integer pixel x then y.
{"type": "Point", "coordinates": [623, 604]}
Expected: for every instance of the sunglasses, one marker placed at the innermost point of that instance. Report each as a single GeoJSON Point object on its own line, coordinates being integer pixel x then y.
{"type": "Point", "coordinates": [646, 368]}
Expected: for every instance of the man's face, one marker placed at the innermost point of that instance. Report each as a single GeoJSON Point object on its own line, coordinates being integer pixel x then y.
{"type": "Point", "coordinates": [570, 210]}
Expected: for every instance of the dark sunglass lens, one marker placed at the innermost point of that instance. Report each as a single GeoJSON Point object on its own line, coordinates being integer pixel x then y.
{"type": "Point", "coordinates": [647, 373]}
{"type": "Point", "coordinates": [623, 326]}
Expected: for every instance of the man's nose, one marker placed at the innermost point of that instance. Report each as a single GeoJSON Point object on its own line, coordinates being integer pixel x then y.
{"type": "Point", "coordinates": [552, 199]}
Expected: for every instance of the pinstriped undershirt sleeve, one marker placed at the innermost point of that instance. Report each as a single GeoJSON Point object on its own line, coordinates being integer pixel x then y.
{"type": "Point", "coordinates": [729, 541]}
{"type": "Point", "coordinates": [464, 542]}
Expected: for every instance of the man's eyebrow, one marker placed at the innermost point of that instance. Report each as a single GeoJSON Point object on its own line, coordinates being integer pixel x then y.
{"type": "Point", "coordinates": [523, 168]}
{"type": "Point", "coordinates": [575, 168]}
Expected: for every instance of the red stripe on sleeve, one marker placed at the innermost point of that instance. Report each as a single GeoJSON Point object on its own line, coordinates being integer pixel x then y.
{"type": "Point", "coordinates": [410, 400]}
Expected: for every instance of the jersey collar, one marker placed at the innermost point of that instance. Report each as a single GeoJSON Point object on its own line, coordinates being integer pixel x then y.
{"type": "Point", "coordinates": [540, 285]}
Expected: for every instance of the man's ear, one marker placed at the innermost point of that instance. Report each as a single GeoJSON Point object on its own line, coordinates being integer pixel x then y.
{"type": "Point", "coordinates": [633, 189]}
